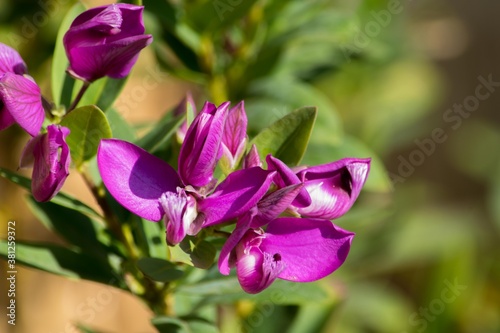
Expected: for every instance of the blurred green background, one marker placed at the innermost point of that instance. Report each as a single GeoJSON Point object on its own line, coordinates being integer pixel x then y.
{"type": "Point", "coordinates": [412, 84]}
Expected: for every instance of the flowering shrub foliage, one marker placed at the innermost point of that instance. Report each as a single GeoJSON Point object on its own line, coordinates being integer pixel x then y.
{"type": "Point", "coordinates": [197, 185]}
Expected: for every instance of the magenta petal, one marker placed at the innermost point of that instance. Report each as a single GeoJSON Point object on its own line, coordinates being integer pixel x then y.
{"type": "Point", "coordinates": [284, 177]}
{"type": "Point", "coordinates": [310, 248]}
{"type": "Point", "coordinates": [51, 162]}
{"type": "Point", "coordinates": [115, 59]}
{"type": "Point", "coordinates": [275, 203]}
{"type": "Point", "coordinates": [180, 212]}
{"type": "Point", "coordinates": [135, 178]}
{"type": "Point", "coordinates": [239, 192]}
{"type": "Point", "coordinates": [22, 99]}
{"type": "Point", "coordinates": [235, 135]}
{"type": "Point", "coordinates": [11, 61]}
{"type": "Point", "coordinates": [256, 270]}
{"type": "Point", "coordinates": [252, 159]}
{"type": "Point", "coordinates": [201, 148]}
{"type": "Point", "coordinates": [242, 226]}
{"type": "Point", "coordinates": [334, 187]}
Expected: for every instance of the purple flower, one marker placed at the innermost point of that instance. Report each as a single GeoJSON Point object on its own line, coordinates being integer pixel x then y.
{"type": "Point", "coordinates": [105, 41]}
{"type": "Point", "coordinates": [11, 61]}
{"type": "Point", "coordinates": [329, 190]}
{"type": "Point", "coordinates": [188, 201]}
{"type": "Point", "coordinates": [234, 137]}
{"type": "Point", "coordinates": [49, 155]}
{"type": "Point", "coordinates": [21, 103]}
{"type": "Point", "coordinates": [294, 249]}
{"type": "Point", "coordinates": [333, 187]}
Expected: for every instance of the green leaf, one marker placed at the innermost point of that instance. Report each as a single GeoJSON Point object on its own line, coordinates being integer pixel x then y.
{"type": "Point", "coordinates": [218, 14]}
{"type": "Point", "coordinates": [110, 92]}
{"type": "Point", "coordinates": [321, 151]}
{"type": "Point", "coordinates": [86, 329]}
{"type": "Point", "coordinates": [188, 324]}
{"type": "Point", "coordinates": [288, 137]}
{"type": "Point", "coordinates": [228, 290]}
{"type": "Point", "coordinates": [101, 92]}
{"type": "Point", "coordinates": [151, 237]}
{"type": "Point", "coordinates": [120, 128]}
{"type": "Point", "coordinates": [88, 125]}
{"type": "Point", "coordinates": [312, 317]}
{"type": "Point", "coordinates": [159, 135]}
{"type": "Point", "coordinates": [77, 229]}
{"type": "Point", "coordinates": [60, 80]}
{"type": "Point", "coordinates": [61, 261]}
{"type": "Point", "coordinates": [287, 94]}
{"type": "Point", "coordinates": [62, 199]}
{"type": "Point", "coordinates": [193, 252]}
{"type": "Point", "coordinates": [159, 269]}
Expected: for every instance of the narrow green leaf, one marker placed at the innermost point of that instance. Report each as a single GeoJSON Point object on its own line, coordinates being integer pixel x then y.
{"type": "Point", "coordinates": [61, 261]}
{"type": "Point", "coordinates": [60, 80]}
{"type": "Point", "coordinates": [228, 290]}
{"type": "Point", "coordinates": [166, 324]}
{"type": "Point", "coordinates": [218, 14]}
{"type": "Point", "coordinates": [312, 317]}
{"type": "Point", "coordinates": [158, 136]}
{"type": "Point", "coordinates": [293, 94]}
{"type": "Point", "coordinates": [77, 229]}
{"type": "Point", "coordinates": [154, 238]}
{"type": "Point", "coordinates": [62, 199]}
{"type": "Point", "coordinates": [111, 90]}
{"type": "Point", "coordinates": [193, 252]}
{"type": "Point", "coordinates": [88, 125]}
{"type": "Point", "coordinates": [186, 324]}
{"type": "Point", "coordinates": [120, 128]}
{"type": "Point", "coordinates": [159, 269]}
{"type": "Point", "coordinates": [288, 137]}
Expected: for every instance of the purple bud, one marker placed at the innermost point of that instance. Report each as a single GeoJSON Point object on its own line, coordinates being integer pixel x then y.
{"type": "Point", "coordinates": [105, 41]}
{"type": "Point", "coordinates": [201, 149]}
{"type": "Point", "coordinates": [252, 159]}
{"type": "Point", "coordinates": [234, 138]}
{"type": "Point", "coordinates": [49, 155]}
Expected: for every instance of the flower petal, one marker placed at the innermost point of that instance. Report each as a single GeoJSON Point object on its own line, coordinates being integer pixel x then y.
{"type": "Point", "coordinates": [275, 203]}
{"type": "Point", "coordinates": [239, 192]}
{"type": "Point", "coordinates": [242, 226]}
{"type": "Point", "coordinates": [334, 187]}
{"type": "Point", "coordinates": [114, 59]}
{"type": "Point", "coordinates": [180, 212]}
{"type": "Point", "coordinates": [252, 159]}
{"type": "Point", "coordinates": [201, 148]}
{"type": "Point", "coordinates": [51, 162]}
{"type": "Point", "coordinates": [11, 61]}
{"type": "Point", "coordinates": [256, 270]}
{"type": "Point", "coordinates": [22, 99]}
{"type": "Point", "coordinates": [135, 178]}
{"type": "Point", "coordinates": [235, 130]}
{"type": "Point", "coordinates": [284, 177]}
{"type": "Point", "coordinates": [310, 248]}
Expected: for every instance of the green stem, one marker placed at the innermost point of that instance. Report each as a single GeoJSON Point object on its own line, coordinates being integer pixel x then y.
{"type": "Point", "coordinates": [152, 295]}
{"type": "Point", "coordinates": [78, 97]}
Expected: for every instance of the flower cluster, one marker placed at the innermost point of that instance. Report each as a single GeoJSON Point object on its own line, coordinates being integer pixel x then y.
{"type": "Point", "coordinates": [21, 103]}
{"type": "Point", "coordinates": [281, 214]}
